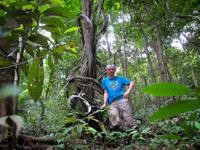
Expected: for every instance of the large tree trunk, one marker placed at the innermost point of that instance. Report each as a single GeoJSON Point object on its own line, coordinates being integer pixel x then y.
{"type": "Point", "coordinates": [88, 67]}
{"type": "Point", "coordinates": [89, 27]}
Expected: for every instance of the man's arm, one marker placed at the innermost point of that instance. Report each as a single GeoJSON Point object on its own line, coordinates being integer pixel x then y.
{"type": "Point", "coordinates": [131, 85]}
{"type": "Point", "coordinates": [105, 98]}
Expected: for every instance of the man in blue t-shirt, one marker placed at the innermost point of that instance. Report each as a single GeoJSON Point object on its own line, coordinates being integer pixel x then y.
{"type": "Point", "coordinates": [116, 97]}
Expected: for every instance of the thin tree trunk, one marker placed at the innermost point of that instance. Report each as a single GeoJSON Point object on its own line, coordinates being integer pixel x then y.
{"type": "Point", "coordinates": [149, 61]}
{"type": "Point", "coordinates": [123, 43]}
{"type": "Point", "coordinates": [194, 79]}
{"type": "Point", "coordinates": [108, 45]}
{"type": "Point", "coordinates": [158, 48]}
{"type": "Point", "coordinates": [160, 57]}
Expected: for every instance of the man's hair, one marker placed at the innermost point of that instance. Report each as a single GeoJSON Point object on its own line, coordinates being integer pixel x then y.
{"type": "Point", "coordinates": [110, 65]}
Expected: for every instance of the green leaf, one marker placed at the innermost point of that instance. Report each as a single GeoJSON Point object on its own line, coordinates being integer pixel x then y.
{"type": "Point", "coordinates": [59, 11]}
{"type": "Point", "coordinates": [25, 19]}
{"type": "Point", "coordinates": [71, 29]}
{"type": "Point", "coordinates": [23, 96]}
{"type": "Point", "coordinates": [43, 8]}
{"type": "Point", "coordinates": [35, 80]}
{"type": "Point", "coordinates": [4, 62]}
{"type": "Point", "coordinates": [91, 130]}
{"type": "Point", "coordinates": [25, 5]}
{"type": "Point", "coordinates": [59, 49]}
{"type": "Point", "coordinates": [197, 124]}
{"type": "Point", "coordinates": [198, 92]}
{"type": "Point", "coordinates": [79, 129]}
{"type": "Point", "coordinates": [52, 29]}
{"type": "Point", "coordinates": [57, 2]}
{"type": "Point", "coordinates": [70, 120]}
{"type": "Point", "coordinates": [169, 137]}
{"type": "Point", "coordinates": [39, 39]}
{"type": "Point", "coordinates": [146, 130]}
{"type": "Point", "coordinates": [117, 4]}
{"type": "Point", "coordinates": [53, 21]}
{"type": "Point", "coordinates": [175, 109]}
{"type": "Point", "coordinates": [2, 13]}
{"type": "Point", "coordinates": [167, 89]}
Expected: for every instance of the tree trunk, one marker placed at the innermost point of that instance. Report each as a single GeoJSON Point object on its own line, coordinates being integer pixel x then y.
{"type": "Point", "coordinates": [89, 27]}
{"type": "Point", "coordinates": [160, 57]}
{"type": "Point", "coordinates": [194, 79]}
{"type": "Point", "coordinates": [124, 64]}
{"type": "Point", "coordinates": [88, 66]}
{"type": "Point", "coordinates": [108, 45]}
{"type": "Point", "coordinates": [149, 61]}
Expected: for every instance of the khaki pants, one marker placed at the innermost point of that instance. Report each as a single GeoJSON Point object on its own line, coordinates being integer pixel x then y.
{"type": "Point", "coordinates": [121, 108]}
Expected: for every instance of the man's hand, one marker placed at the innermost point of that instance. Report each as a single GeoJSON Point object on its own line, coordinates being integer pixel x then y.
{"type": "Point", "coordinates": [103, 106]}
{"type": "Point", "coordinates": [126, 94]}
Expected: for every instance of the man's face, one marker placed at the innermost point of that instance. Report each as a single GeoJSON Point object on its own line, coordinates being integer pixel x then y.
{"type": "Point", "coordinates": [111, 71]}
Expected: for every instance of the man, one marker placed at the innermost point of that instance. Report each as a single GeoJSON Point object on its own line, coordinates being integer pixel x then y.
{"type": "Point", "coordinates": [117, 98]}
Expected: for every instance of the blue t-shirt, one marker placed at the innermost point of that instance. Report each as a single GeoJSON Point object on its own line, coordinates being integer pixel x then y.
{"type": "Point", "coordinates": [114, 87]}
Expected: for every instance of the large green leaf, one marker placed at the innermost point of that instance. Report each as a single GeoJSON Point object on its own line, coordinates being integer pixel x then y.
{"type": "Point", "coordinates": [25, 19]}
{"type": "Point", "coordinates": [167, 89]}
{"type": "Point", "coordinates": [35, 80]}
{"type": "Point", "coordinates": [39, 39]}
{"type": "Point", "coordinates": [170, 137]}
{"type": "Point", "coordinates": [2, 13]}
{"type": "Point", "coordinates": [59, 49]}
{"type": "Point", "coordinates": [175, 109]}
{"type": "Point", "coordinates": [43, 8]}
{"type": "Point", "coordinates": [71, 29]}
{"type": "Point", "coordinates": [24, 5]}
{"type": "Point", "coordinates": [53, 21]}
{"type": "Point", "coordinates": [58, 11]}
{"type": "Point", "coordinates": [52, 29]}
